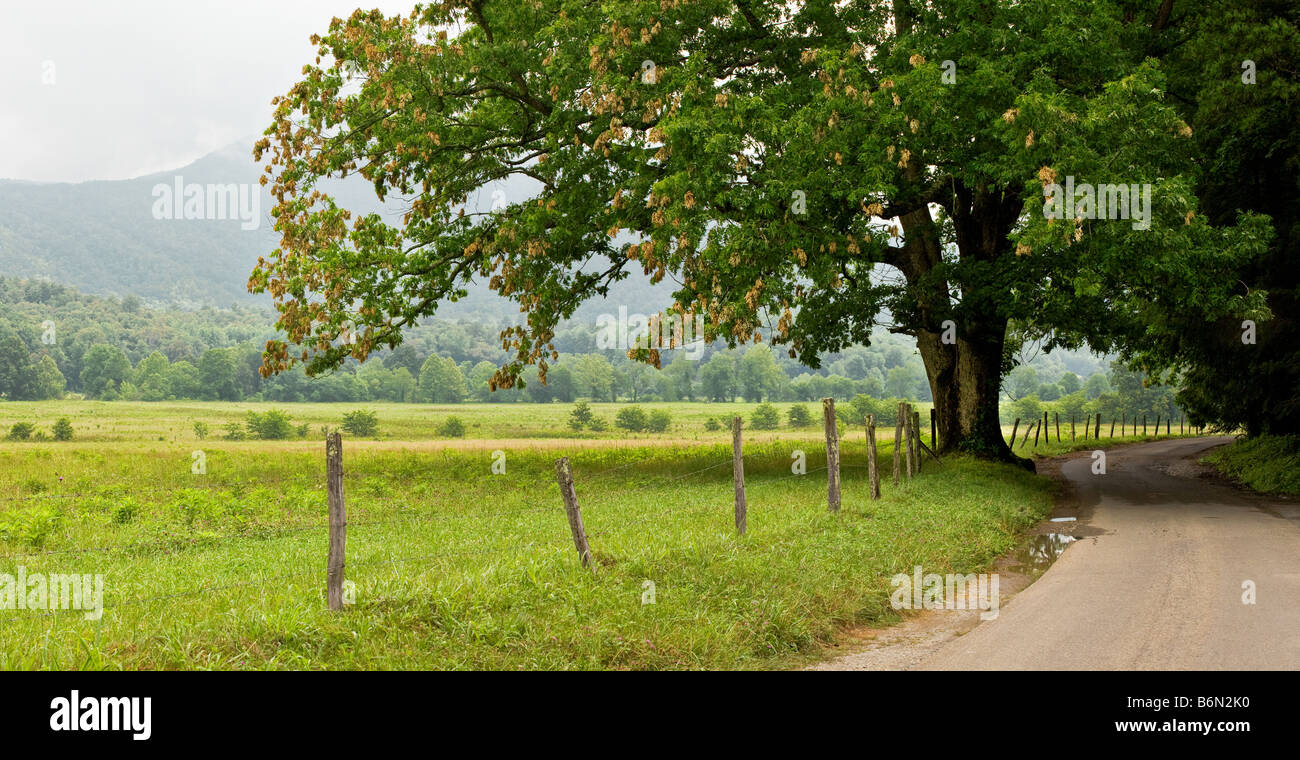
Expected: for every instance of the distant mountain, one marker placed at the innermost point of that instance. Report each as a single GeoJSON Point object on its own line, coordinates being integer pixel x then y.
{"type": "Point", "coordinates": [104, 238]}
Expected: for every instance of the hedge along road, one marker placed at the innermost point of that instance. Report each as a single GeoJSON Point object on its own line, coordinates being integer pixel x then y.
{"type": "Point", "coordinates": [1155, 580]}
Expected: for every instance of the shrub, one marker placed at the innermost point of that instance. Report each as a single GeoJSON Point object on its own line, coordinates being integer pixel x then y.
{"type": "Point", "coordinates": [124, 511]}
{"type": "Point", "coordinates": [452, 427]}
{"type": "Point", "coordinates": [658, 421]}
{"type": "Point", "coordinates": [580, 417]}
{"type": "Point", "coordinates": [235, 431]}
{"type": "Point", "coordinates": [21, 431]}
{"type": "Point", "coordinates": [201, 429]}
{"type": "Point", "coordinates": [631, 418]}
{"type": "Point", "coordinates": [765, 417]}
{"type": "Point", "coordinates": [598, 424]}
{"type": "Point", "coordinates": [62, 429]}
{"type": "Point", "coordinates": [361, 423]}
{"type": "Point", "coordinates": [712, 424]}
{"type": "Point", "coordinates": [29, 527]}
{"type": "Point", "coordinates": [272, 425]}
{"type": "Point", "coordinates": [799, 416]}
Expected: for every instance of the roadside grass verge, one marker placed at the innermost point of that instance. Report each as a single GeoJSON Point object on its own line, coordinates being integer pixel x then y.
{"type": "Point", "coordinates": [456, 567]}
{"type": "Point", "coordinates": [1268, 464]}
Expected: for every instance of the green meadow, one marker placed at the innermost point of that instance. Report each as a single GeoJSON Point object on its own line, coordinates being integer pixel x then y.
{"type": "Point", "coordinates": [458, 566]}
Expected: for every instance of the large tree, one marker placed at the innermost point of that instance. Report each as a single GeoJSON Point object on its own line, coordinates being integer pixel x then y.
{"type": "Point", "coordinates": [1234, 75]}
{"type": "Point", "coordinates": [804, 171]}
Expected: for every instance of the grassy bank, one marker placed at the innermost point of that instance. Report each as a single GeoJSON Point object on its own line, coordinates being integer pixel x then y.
{"type": "Point", "coordinates": [1269, 464]}
{"type": "Point", "coordinates": [457, 567]}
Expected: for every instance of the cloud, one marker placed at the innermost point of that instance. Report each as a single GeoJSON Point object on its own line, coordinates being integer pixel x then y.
{"type": "Point", "coordinates": [146, 86]}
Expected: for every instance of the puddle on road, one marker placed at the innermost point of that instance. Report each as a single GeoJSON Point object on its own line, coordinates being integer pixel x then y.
{"type": "Point", "coordinates": [1037, 553]}
{"type": "Point", "coordinates": [1064, 519]}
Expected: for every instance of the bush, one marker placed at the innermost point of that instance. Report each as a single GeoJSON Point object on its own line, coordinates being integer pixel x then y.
{"type": "Point", "coordinates": [62, 429]}
{"type": "Point", "coordinates": [580, 417]}
{"type": "Point", "coordinates": [272, 425]}
{"type": "Point", "coordinates": [235, 431]}
{"type": "Point", "coordinates": [452, 427]}
{"type": "Point", "coordinates": [658, 421]}
{"type": "Point", "coordinates": [304, 430]}
{"type": "Point", "coordinates": [712, 424]}
{"type": "Point", "coordinates": [799, 416]}
{"type": "Point", "coordinates": [21, 431]}
{"type": "Point", "coordinates": [631, 418]}
{"type": "Point", "coordinates": [765, 417]}
{"type": "Point", "coordinates": [598, 424]}
{"type": "Point", "coordinates": [361, 423]}
{"type": "Point", "coordinates": [201, 429]}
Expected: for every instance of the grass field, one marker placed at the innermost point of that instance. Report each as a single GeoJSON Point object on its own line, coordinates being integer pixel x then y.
{"type": "Point", "coordinates": [457, 567]}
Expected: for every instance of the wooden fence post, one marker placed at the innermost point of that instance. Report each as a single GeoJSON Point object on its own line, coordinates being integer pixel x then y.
{"type": "Point", "coordinates": [934, 433]}
{"type": "Point", "coordinates": [564, 474]}
{"type": "Point", "coordinates": [1057, 415]}
{"type": "Point", "coordinates": [1144, 425]}
{"type": "Point", "coordinates": [1112, 426]}
{"type": "Point", "coordinates": [1038, 427]}
{"type": "Point", "coordinates": [832, 456]}
{"type": "Point", "coordinates": [917, 443]}
{"type": "Point", "coordinates": [1096, 431]}
{"type": "Point", "coordinates": [738, 473]}
{"type": "Point", "coordinates": [898, 440]}
{"type": "Point", "coordinates": [1157, 424]}
{"type": "Point", "coordinates": [1168, 422]}
{"type": "Point", "coordinates": [873, 472]}
{"type": "Point", "coordinates": [1123, 423]}
{"type": "Point", "coordinates": [1071, 427]}
{"type": "Point", "coordinates": [1014, 427]}
{"type": "Point", "coordinates": [909, 434]}
{"type": "Point", "coordinates": [1046, 433]}
{"type": "Point", "coordinates": [338, 520]}
{"type": "Point", "coordinates": [1027, 431]}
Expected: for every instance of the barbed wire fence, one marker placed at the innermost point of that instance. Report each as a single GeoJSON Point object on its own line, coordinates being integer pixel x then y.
{"type": "Point", "coordinates": [908, 447]}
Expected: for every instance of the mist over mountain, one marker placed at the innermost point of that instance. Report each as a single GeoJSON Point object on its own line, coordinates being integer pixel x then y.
{"type": "Point", "coordinates": [103, 238]}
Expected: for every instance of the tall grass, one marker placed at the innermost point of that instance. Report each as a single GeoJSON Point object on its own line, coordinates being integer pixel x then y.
{"type": "Point", "coordinates": [1270, 464]}
{"type": "Point", "coordinates": [456, 567]}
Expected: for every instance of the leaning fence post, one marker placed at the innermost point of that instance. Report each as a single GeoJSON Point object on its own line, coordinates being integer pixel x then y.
{"type": "Point", "coordinates": [738, 473]}
{"type": "Point", "coordinates": [1014, 428]}
{"type": "Point", "coordinates": [338, 520]}
{"type": "Point", "coordinates": [1112, 426]}
{"type": "Point", "coordinates": [873, 473]}
{"type": "Point", "coordinates": [1057, 415]}
{"type": "Point", "coordinates": [898, 439]}
{"type": "Point", "coordinates": [1096, 431]}
{"type": "Point", "coordinates": [564, 474]}
{"type": "Point", "coordinates": [832, 456]}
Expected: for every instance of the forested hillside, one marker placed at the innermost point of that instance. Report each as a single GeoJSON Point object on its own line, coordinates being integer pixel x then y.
{"type": "Point", "coordinates": [55, 340]}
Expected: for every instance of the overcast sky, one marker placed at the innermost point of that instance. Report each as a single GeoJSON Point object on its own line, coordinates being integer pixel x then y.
{"type": "Point", "coordinates": [141, 86]}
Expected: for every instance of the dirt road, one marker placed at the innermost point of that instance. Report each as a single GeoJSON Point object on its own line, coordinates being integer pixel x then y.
{"type": "Point", "coordinates": [1155, 580]}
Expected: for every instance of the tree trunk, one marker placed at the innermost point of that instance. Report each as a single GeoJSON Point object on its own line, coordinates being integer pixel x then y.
{"type": "Point", "coordinates": [965, 382]}
{"type": "Point", "coordinates": [966, 375]}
